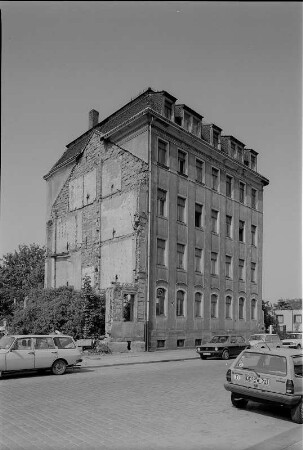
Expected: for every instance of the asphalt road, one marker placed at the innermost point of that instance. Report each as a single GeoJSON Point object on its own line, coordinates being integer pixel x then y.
{"type": "Point", "coordinates": [166, 405]}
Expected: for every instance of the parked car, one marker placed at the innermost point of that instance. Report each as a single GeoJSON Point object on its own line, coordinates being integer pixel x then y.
{"type": "Point", "coordinates": [264, 340]}
{"type": "Point", "coordinates": [293, 340]}
{"type": "Point", "coordinates": [267, 376]}
{"type": "Point", "coordinates": [38, 352]}
{"type": "Point", "coordinates": [222, 346]}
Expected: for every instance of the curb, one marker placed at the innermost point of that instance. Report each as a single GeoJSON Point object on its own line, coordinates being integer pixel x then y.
{"type": "Point", "coordinates": [132, 363]}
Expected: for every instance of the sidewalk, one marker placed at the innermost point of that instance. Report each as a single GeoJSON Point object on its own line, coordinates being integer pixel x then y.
{"type": "Point", "coordinates": [117, 359]}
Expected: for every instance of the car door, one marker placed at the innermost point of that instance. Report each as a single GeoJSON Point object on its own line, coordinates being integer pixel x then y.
{"type": "Point", "coordinates": [45, 352]}
{"type": "Point", "coordinates": [233, 346]}
{"type": "Point", "coordinates": [21, 355]}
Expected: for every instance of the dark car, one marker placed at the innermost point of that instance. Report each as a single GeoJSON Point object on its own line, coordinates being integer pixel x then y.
{"type": "Point", "coordinates": [223, 346]}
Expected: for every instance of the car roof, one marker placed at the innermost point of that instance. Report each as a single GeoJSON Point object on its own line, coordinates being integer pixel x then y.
{"type": "Point", "coordinates": [276, 351]}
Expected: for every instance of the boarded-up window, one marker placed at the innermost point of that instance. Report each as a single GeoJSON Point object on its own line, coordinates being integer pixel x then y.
{"type": "Point", "coordinates": [76, 193]}
{"type": "Point", "coordinates": [89, 190]}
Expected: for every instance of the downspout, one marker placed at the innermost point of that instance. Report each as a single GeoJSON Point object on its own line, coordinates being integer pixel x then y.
{"type": "Point", "coordinates": [148, 236]}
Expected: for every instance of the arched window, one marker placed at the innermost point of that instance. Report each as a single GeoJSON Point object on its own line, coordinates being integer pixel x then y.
{"type": "Point", "coordinates": [228, 307]}
{"type": "Point", "coordinates": [198, 304]}
{"type": "Point", "coordinates": [241, 307]}
{"type": "Point", "coordinates": [253, 312]}
{"type": "Point", "coordinates": [160, 302]}
{"type": "Point", "coordinates": [214, 306]}
{"type": "Point", "coordinates": [180, 303]}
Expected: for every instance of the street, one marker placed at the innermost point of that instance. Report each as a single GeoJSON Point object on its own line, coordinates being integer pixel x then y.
{"type": "Point", "coordinates": [164, 405]}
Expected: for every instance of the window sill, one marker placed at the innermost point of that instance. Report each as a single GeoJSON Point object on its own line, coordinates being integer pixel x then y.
{"type": "Point", "coordinates": [163, 166]}
{"type": "Point", "coordinates": [182, 174]}
{"type": "Point", "coordinates": [202, 183]}
{"type": "Point", "coordinates": [181, 223]}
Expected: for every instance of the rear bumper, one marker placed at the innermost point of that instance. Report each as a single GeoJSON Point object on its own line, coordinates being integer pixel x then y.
{"type": "Point", "coordinates": [263, 396]}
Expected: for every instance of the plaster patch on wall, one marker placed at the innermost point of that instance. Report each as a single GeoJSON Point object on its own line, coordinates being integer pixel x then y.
{"type": "Point", "coordinates": [111, 176]}
{"type": "Point", "coordinates": [117, 258]}
{"type": "Point", "coordinates": [117, 215]}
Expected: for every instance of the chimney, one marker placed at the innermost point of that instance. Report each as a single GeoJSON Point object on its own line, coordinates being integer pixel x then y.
{"type": "Point", "coordinates": [93, 118]}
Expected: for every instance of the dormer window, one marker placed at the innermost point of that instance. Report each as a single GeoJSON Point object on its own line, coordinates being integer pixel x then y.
{"type": "Point", "coordinates": [253, 162]}
{"type": "Point", "coordinates": [215, 139]}
{"type": "Point", "coordinates": [195, 129]}
{"type": "Point", "coordinates": [233, 149]}
{"type": "Point", "coordinates": [240, 154]}
{"type": "Point", "coordinates": [168, 110]}
{"type": "Point", "coordinates": [186, 121]}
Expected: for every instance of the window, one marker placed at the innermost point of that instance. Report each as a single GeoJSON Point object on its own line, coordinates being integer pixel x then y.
{"type": "Point", "coordinates": [198, 260]}
{"type": "Point", "coordinates": [160, 302]}
{"type": "Point", "coordinates": [198, 215]}
{"type": "Point", "coordinates": [199, 171]}
{"type": "Point", "coordinates": [241, 230]}
{"type": "Point", "coordinates": [198, 304]}
{"type": "Point", "coordinates": [162, 152]}
{"type": "Point", "coordinates": [253, 198]}
{"type": "Point", "coordinates": [240, 154]}
{"type": "Point", "coordinates": [180, 303]}
{"type": "Point", "coordinates": [180, 342]}
{"type": "Point", "coordinates": [161, 202]}
{"type": "Point", "coordinates": [215, 179]}
{"type": "Point", "coordinates": [214, 221]}
{"type": "Point", "coordinates": [195, 129]}
{"type": "Point", "coordinates": [233, 150]}
{"type": "Point", "coordinates": [228, 306]}
{"type": "Point", "coordinates": [168, 109]}
{"type": "Point", "coordinates": [228, 267]}
{"type": "Point", "coordinates": [229, 181]}
{"type": "Point", "coordinates": [213, 306]}
{"type": "Point", "coordinates": [253, 312]}
{"type": "Point", "coordinates": [280, 318]}
{"type": "Point", "coordinates": [214, 263]}
{"type": "Point", "coordinates": [241, 269]}
{"type": "Point", "coordinates": [128, 307]}
{"type": "Point", "coordinates": [198, 342]}
{"type": "Point", "coordinates": [228, 226]}
{"type": "Point", "coordinates": [297, 318]}
{"type": "Point", "coordinates": [180, 256]}
{"type": "Point", "coordinates": [161, 252]}
{"type": "Point", "coordinates": [241, 308]}
{"type": "Point", "coordinates": [160, 343]}
{"type": "Point", "coordinates": [44, 343]}
{"type": "Point", "coordinates": [182, 163]}
{"type": "Point", "coordinates": [215, 139]}
{"type": "Point", "coordinates": [186, 121]}
{"type": "Point", "coordinates": [241, 192]}
{"type": "Point", "coordinates": [253, 234]}
{"type": "Point", "coordinates": [181, 209]}
{"type": "Point", "coordinates": [64, 342]}
{"type": "Point", "coordinates": [253, 162]}
{"type": "Point", "coordinates": [253, 272]}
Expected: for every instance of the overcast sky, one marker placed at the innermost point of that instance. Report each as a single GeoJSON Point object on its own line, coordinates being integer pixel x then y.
{"type": "Point", "coordinates": [236, 63]}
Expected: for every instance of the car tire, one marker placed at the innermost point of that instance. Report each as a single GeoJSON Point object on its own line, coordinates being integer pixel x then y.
{"type": "Point", "coordinates": [225, 354]}
{"type": "Point", "coordinates": [203, 357]}
{"type": "Point", "coordinates": [238, 402]}
{"type": "Point", "coordinates": [297, 413]}
{"type": "Point", "coordinates": [59, 367]}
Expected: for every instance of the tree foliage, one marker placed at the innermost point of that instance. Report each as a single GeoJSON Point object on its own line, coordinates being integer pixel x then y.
{"type": "Point", "coordinates": [269, 316]}
{"type": "Point", "coordinates": [20, 272]}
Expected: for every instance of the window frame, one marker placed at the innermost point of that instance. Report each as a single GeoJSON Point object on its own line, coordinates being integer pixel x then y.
{"type": "Point", "coordinates": [163, 255]}
{"type": "Point", "coordinates": [181, 260]}
{"type": "Point", "coordinates": [166, 164]}
{"type": "Point", "coordinates": [198, 260]}
{"type": "Point", "coordinates": [254, 198]}
{"type": "Point", "coordinates": [198, 215]}
{"type": "Point", "coordinates": [229, 186]}
{"type": "Point", "coordinates": [184, 171]}
{"type": "Point", "coordinates": [161, 205]}
{"type": "Point", "coordinates": [214, 221]}
{"type": "Point", "coordinates": [253, 272]}
{"type": "Point", "coordinates": [242, 192]}
{"type": "Point", "coordinates": [214, 310]}
{"type": "Point", "coordinates": [180, 307]}
{"type": "Point", "coordinates": [215, 179]}
{"type": "Point", "coordinates": [228, 267]}
{"type": "Point", "coordinates": [253, 309]}
{"type": "Point", "coordinates": [198, 311]}
{"type": "Point", "coordinates": [228, 226]}
{"type": "Point", "coordinates": [229, 310]}
{"type": "Point", "coordinates": [214, 264]}
{"type": "Point", "coordinates": [242, 231]}
{"type": "Point", "coordinates": [202, 168]}
{"type": "Point", "coordinates": [163, 306]}
{"type": "Point", "coordinates": [241, 270]}
{"type": "Point", "coordinates": [182, 210]}
{"type": "Point", "coordinates": [241, 308]}
{"type": "Point", "coordinates": [253, 230]}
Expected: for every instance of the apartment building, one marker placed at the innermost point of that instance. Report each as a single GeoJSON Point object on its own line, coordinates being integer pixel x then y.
{"type": "Point", "coordinates": [164, 213]}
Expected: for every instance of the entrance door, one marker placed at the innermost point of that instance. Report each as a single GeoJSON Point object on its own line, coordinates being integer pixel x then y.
{"type": "Point", "coordinates": [21, 357]}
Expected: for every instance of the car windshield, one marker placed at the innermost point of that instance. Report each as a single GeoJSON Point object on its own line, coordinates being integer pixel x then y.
{"type": "Point", "coordinates": [262, 363]}
{"type": "Point", "coordinates": [257, 337]}
{"type": "Point", "coordinates": [219, 339]}
{"type": "Point", "coordinates": [6, 342]}
{"type": "Point", "coordinates": [294, 336]}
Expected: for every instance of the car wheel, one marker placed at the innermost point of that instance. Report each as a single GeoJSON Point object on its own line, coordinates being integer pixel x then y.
{"type": "Point", "coordinates": [238, 402]}
{"type": "Point", "coordinates": [59, 367]}
{"type": "Point", "coordinates": [225, 354]}
{"type": "Point", "coordinates": [203, 357]}
{"type": "Point", "coordinates": [297, 413]}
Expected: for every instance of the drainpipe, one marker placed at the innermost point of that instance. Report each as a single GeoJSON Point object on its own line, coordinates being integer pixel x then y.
{"type": "Point", "coordinates": [148, 237]}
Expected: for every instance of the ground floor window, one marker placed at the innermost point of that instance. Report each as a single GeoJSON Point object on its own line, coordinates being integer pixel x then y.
{"type": "Point", "coordinates": [160, 302]}
{"type": "Point", "coordinates": [214, 306]}
{"type": "Point", "coordinates": [180, 303]}
{"type": "Point", "coordinates": [128, 307]}
{"type": "Point", "coordinates": [241, 307]}
{"type": "Point", "coordinates": [180, 342]}
{"type": "Point", "coordinates": [160, 343]}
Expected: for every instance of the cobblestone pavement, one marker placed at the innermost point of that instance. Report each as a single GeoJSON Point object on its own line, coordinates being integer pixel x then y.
{"type": "Point", "coordinates": [176, 405]}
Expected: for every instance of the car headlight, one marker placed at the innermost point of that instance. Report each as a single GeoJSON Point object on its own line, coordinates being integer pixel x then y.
{"type": "Point", "coordinates": [216, 349]}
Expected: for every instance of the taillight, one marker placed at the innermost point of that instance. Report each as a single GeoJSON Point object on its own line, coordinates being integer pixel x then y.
{"type": "Point", "coordinates": [228, 375]}
{"type": "Point", "coordinates": [289, 387]}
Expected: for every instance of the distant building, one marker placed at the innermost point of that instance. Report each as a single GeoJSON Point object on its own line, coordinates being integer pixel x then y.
{"type": "Point", "coordinates": [289, 319]}
{"type": "Point", "coordinates": [165, 214]}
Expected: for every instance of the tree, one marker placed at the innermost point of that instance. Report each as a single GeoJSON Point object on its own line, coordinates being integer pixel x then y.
{"type": "Point", "coordinates": [269, 316]}
{"type": "Point", "coordinates": [20, 272]}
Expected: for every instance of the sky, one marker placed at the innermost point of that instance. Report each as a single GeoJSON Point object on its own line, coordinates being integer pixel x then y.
{"type": "Point", "coordinates": [239, 64]}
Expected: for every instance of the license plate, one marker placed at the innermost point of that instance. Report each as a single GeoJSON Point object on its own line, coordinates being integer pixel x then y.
{"type": "Point", "coordinates": [206, 354]}
{"type": "Point", "coordinates": [258, 380]}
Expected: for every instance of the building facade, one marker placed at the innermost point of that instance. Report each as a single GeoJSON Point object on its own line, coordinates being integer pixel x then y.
{"type": "Point", "coordinates": [289, 319]}
{"type": "Point", "coordinates": [165, 214]}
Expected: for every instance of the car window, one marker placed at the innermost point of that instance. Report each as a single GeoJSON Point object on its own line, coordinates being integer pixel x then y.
{"type": "Point", "coordinates": [233, 339]}
{"type": "Point", "coordinates": [42, 343]}
{"type": "Point", "coordinates": [240, 340]}
{"type": "Point", "coordinates": [269, 364]}
{"type": "Point", "coordinates": [257, 337]}
{"type": "Point", "coordinates": [298, 365]}
{"type": "Point", "coordinates": [64, 342]}
{"type": "Point", "coordinates": [23, 344]}
{"type": "Point", "coordinates": [6, 342]}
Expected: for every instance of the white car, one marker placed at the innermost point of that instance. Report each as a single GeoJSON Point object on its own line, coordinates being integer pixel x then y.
{"type": "Point", "coordinates": [38, 352]}
{"type": "Point", "coordinates": [293, 340]}
{"type": "Point", "coordinates": [264, 340]}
